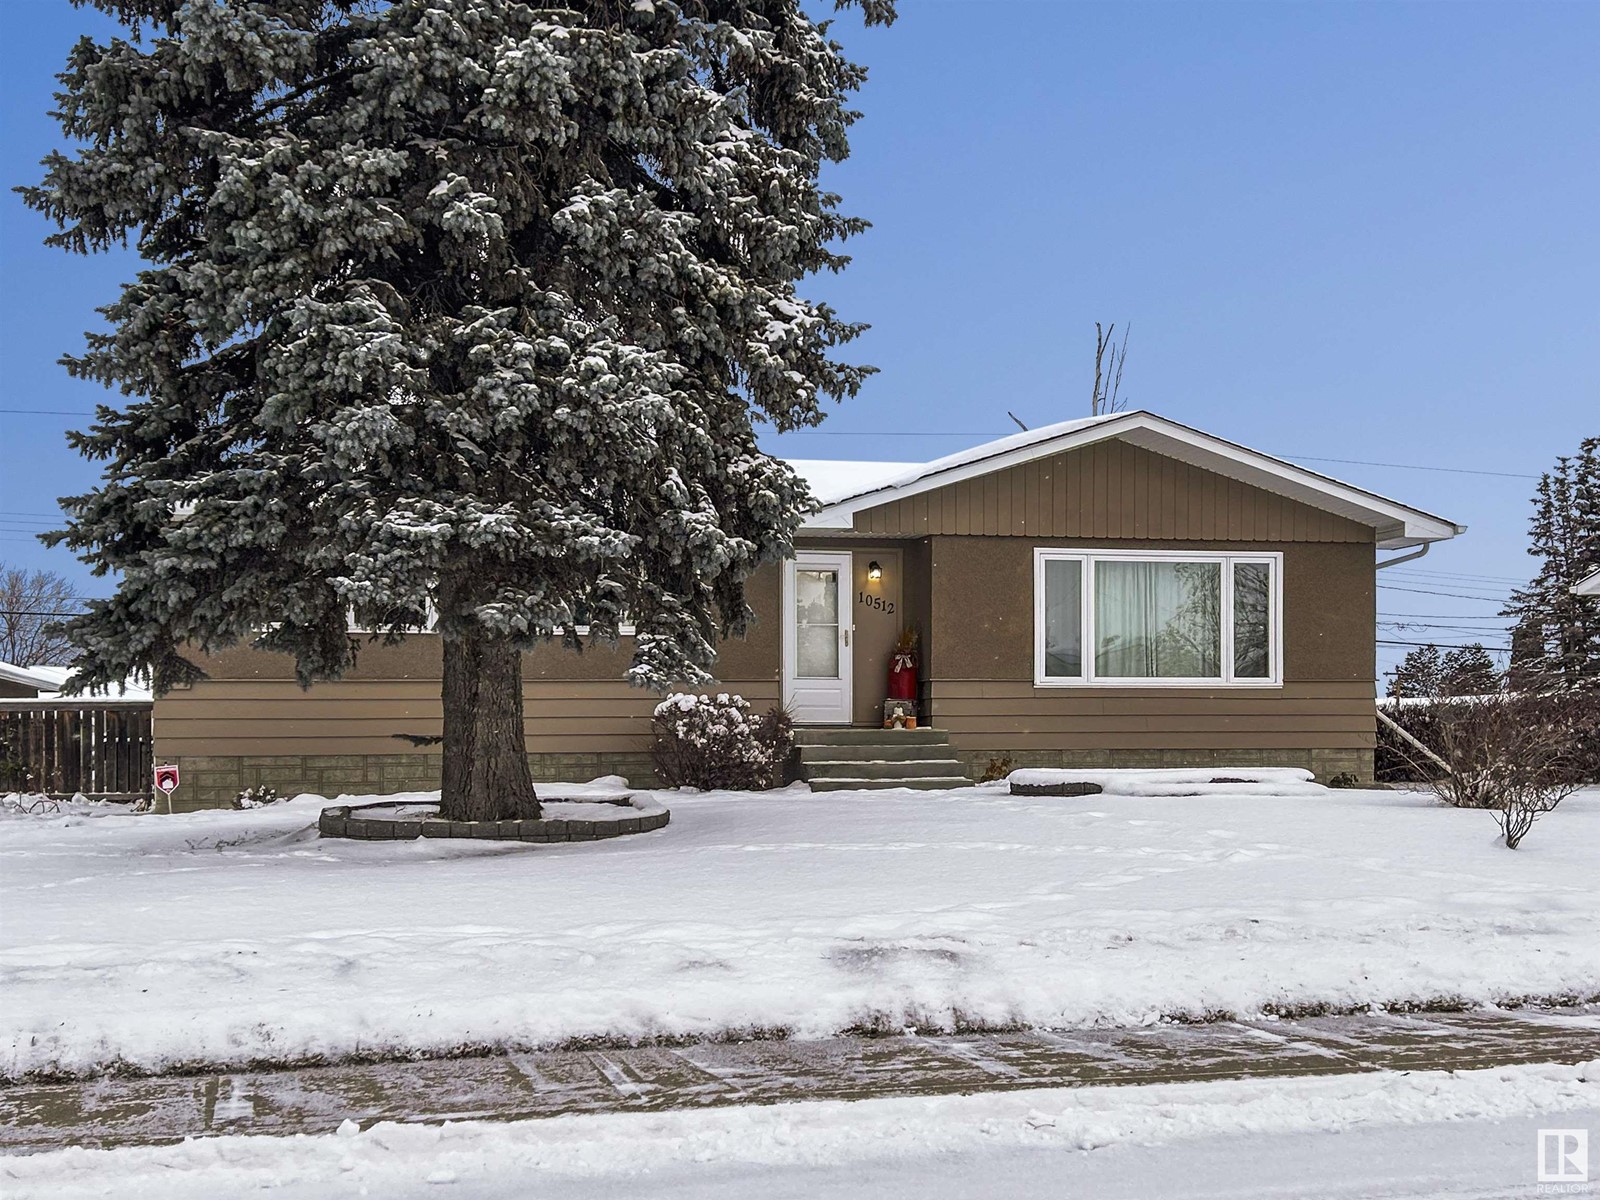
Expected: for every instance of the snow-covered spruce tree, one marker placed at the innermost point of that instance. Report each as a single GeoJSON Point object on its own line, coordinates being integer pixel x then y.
{"type": "Point", "coordinates": [1557, 642]}
{"type": "Point", "coordinates": [453, 306]}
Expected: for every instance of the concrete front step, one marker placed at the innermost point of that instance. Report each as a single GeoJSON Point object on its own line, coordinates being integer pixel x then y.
{"type": "Point", "coordinates": [846, 758]}
{"type": "Point", "coordinates": [873, 752]}
{"type": "Point", "coordinates": [900, 769]}
{"type": "Point", "coordinates": [926, 783]}
{"type": "Point", "coordinates": [866, 735]}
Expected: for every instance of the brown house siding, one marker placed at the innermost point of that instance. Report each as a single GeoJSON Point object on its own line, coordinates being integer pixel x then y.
{"type": "Point", "coordinates": [1109, 490]}
{"type": "Point", "coordinates": [250, 724]}
{"type": "Point", "coordinates": [980, 686]}
{"type": "Point", "coordinates": [965, 579]}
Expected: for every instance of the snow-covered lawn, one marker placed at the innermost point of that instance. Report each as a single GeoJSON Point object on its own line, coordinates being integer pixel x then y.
{"type": "Point", "coordinates": [1468, 1134]}
{"type": "Point", "coordinates": [225, 937]}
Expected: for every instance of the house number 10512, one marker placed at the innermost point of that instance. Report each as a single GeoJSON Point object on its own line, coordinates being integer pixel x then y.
{"type": "Point", "coordinates": [877, 602]}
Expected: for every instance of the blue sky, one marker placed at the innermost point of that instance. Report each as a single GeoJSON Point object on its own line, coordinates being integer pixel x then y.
{"type": "Point", "coordinates": [1356, 231]}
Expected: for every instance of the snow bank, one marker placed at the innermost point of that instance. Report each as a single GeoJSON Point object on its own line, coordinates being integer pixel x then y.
{"type": "Point", "coordinates": [37, 804]}
{"type": "Point", "coordinates": [227, 937]}
{"type": "Point", "coordinates": [1217, 781]}
{"type": "Point", "coordinates": [683, 1152]}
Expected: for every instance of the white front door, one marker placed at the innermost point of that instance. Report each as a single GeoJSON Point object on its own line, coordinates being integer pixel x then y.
{"type": "Point", "coordinates": [816, 638]}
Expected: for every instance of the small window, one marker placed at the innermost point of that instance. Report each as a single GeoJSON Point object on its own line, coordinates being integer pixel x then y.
{"type": "Point", "coordinates": [1143, 618]}
{"type": "Point", "coordinates": [1063, 618]}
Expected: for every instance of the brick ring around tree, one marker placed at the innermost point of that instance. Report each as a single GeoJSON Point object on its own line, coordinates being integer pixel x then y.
{"type": "Point", "coordinates": [395, 821]}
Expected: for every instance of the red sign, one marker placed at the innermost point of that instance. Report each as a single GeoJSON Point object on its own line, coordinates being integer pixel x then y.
{"type": "Point", "coordinates": [167, 779]}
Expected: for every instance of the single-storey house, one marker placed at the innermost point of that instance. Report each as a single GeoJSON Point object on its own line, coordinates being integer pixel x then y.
{"type": "Point", "coordinates": [1121, 590]}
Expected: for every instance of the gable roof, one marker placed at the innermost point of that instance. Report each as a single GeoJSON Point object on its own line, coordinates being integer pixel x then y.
{"type": "Point", "coordinates": [1589, 585]}
{"type": "Point", "coordinates": [849, 488]}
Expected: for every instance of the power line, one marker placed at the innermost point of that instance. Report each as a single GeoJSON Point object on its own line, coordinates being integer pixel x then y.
{"type": "Point", "coordinates": [1356, 462]}
{"type": "Point", "coordinates": [1360, 462]}
{"type": "Point", "coordinates": [1449, 626]}
{"type": "Point", "coordinates": [1454, 616]}
{"type": "Point", "coordinates": [1409, 573]}
{"type": "Point", "coordinates": [901, 433]}
{"type": "Point", "coordinates": [1496, 599]}
{"type": "Point", "coordinates": [1445, 645]}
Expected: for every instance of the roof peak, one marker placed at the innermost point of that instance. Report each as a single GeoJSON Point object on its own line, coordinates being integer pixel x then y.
{"type": "Point", "coordinates": [848, 491]}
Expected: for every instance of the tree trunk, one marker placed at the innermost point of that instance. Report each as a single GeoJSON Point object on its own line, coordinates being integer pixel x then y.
{"type": "Point", "coordinates": [486, 776]}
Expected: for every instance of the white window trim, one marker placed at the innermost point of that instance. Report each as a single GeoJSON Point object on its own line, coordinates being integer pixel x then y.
{"type": "Point", "coordinates": [624, 629]}
{"type": "Point", "coordinates": [1086, 559]}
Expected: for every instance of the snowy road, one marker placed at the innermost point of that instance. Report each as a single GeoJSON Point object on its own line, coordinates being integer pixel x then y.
{"type": "Point", "coordinates": [222, 938]}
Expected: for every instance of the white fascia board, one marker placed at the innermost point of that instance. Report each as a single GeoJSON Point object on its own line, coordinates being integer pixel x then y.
{"type": "Point", "coordinates": [1589, 586]}
{"type": "Point", "coordinates": [1397, 525]}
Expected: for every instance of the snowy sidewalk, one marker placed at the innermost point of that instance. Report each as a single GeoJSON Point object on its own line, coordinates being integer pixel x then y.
{"type": "Point", "coordinates": [115, 1112]}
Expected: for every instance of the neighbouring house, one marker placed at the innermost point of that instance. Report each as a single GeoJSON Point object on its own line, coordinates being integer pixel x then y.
{"type": "Point", "coordinates": [1589, 585]}
{"type": "Point", "coordinates": [46, 682]}
{"type": "Point", "coordinates": [98, 744]}
{"type": "Point", "coordinates": [24, 683]}
{"type": "Point", "coordinates": [1121, 590]}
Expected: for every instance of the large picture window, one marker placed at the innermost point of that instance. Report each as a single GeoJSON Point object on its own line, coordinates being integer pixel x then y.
{"type": "Point", "coordinates": [1143, 618]}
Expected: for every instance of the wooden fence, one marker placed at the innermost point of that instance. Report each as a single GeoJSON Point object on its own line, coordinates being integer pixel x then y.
{"type": "Point", "coordinates": [101, 748]}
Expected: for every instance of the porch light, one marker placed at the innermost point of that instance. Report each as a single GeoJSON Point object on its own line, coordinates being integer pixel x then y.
{"type": "Point", "coordinates": [874, 571]}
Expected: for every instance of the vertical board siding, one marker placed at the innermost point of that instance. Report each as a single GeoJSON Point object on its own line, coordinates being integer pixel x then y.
{"type": "Point", "coordinates": [62, 749]}
{"type": "Point", "coordinates": [1109, 490]}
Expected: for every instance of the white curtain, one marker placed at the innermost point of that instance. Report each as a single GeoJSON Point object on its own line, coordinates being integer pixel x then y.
{"type": "Point", "coordinates": [1158, 620]}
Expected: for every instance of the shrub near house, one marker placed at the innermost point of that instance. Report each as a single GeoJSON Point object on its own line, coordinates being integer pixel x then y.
{"type": "Point", "coordinates": [712, 742]}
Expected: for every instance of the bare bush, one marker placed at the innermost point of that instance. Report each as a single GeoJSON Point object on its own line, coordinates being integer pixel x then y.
{"type": "Point", "coordinates": [997, 770]}
{"type": "Point", "coordinates": [1511, 754]}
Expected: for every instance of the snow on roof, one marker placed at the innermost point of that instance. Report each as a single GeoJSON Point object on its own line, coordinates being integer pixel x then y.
{"type": "Point", "coordinates": [53, 679]}
{"type": "Point", "coordinates": [1016, 441]}
{"type": "Point", "coordinates": [26, 676]}
{"type": "Point", "coordinates": [832, 480]}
